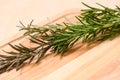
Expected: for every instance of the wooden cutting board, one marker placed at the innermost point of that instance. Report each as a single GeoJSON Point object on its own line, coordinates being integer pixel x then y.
{"type": "Point", "coordinates": [96, 62]}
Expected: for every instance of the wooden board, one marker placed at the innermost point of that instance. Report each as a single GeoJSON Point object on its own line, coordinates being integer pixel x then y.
{"type": "Point", "coordinates": [100, 63]}
{"type": "Point", "coordinates": [96, 62]}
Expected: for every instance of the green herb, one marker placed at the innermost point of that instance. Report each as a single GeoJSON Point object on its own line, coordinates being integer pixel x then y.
{"type": "Point", "coordinates": [95, 24]}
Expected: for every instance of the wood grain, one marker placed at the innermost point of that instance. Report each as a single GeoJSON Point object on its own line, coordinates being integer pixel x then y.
{"type": "Point", "coordinates": [43, 68]}
{"type": "Point", "coordinates": [97, 62]}
{"type": "Point", "coordinates": [100, 63]}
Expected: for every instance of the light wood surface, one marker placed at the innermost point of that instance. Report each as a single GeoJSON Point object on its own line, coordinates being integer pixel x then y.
{"type": "Point", "coordinates": [13, 11]}
{"type": "Point", "coordinates": [100, 63]}
{"type": "Point", "coordinates": [96, 62]}
{"type": "Point", "coordinates": [43, 68]}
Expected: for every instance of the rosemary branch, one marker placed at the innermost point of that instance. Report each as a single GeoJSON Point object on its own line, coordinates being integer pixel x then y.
{"type": "Point", "coordinates": [95, 24]}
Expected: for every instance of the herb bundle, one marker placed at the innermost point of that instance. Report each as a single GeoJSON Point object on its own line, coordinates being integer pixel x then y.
{"type": "Point", "coordinates": [95, 24]}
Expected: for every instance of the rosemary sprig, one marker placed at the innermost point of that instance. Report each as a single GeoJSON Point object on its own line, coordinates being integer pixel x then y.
{"type": "Point", "coordinates": [95, 24]}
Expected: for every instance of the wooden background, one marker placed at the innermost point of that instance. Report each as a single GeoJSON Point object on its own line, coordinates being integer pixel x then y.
{"type": "Point", "coordinates": [96, 62]}
{"type": "Point", "coordinates": [13, 11]}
